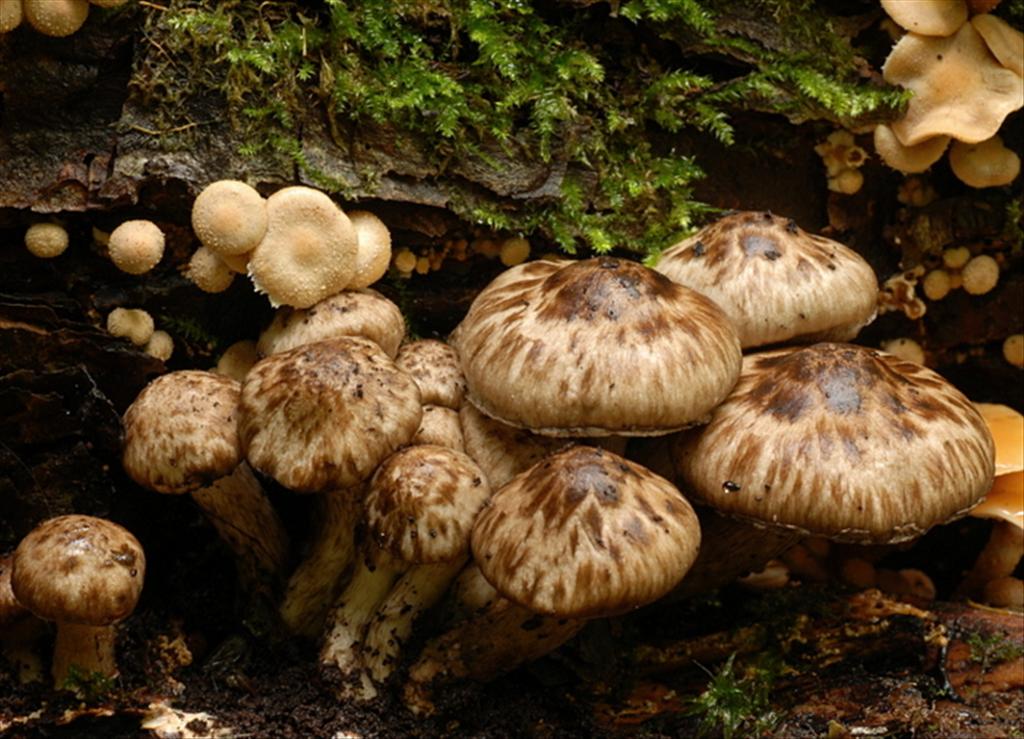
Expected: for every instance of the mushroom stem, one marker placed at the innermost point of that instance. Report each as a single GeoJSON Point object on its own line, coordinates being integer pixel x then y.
{"type": "Point", "coordinates": [500, 639]}
{"type": "Point", "coordinates": [998, 559]}
{"type": "Point", "coordinates": [246, 521]}
{"type": "Point", "coordinates": [469, 595]}
{"type": "Point", "coordinates": [419, 589]}
{"type": "Point", "coordinates": [82, 651]}
{"type": "Point", "coordinates": [374, 576]}
{"type": "Point", "coordinates": [315, 583]}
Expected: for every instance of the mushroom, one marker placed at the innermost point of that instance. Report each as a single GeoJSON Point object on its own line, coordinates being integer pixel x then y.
{"type": "Point", "coordinates": [528, 350]}
{"type": "Point", "coordinates": [980, 275]}
{"type": "Point", "coordinates": [985, 164]}
{"type": "Point", "coordinates": [440, 426]}
{"type": "Point", "coordinates": [513, 251]}
{"type": "Point", "coordinates": [229, 217]}
{"type": "Point", "coordinates": [909, 159]}
{"type": "Point", "coordinates": [928, 17]}
{"type": "Point", "coordinates": [374, 252]}
{"type": "Point", "coordinates": [502, 451]}
{"type": "Point", "coordinates": [11, 13]}
{"type": "Point", "coordinates": [776, 282]}
{"type": "Point", "coordinates": [238, 359]}
{"type": "Point", "coordinates": [582, 534]}
{"type": "Point", "coordinates": [85, 574]}
{"type": "Point", "coordinates": [1013, 350]}
{"type": "Point", "coordinates": [46, 240]}
{"type": "Point", "coordinates": [434, 366]}
{"type": "Point", "coordinates": [1004, 41]}
{"type": "Point", "coordinates": [209, 272]}
{"type": "Point", "coordinates": [135, 247]}
{"type": "Point", "coordinates": [160, 345]}
{"type": "Point", "coordinates": [960, 89]}
{"type": "Point", "coordinates": [419, 510]}
{"type": "Point", "coordinates": [180, 436]}
{"type": "Point", "coordinates": [19, 629]}
{"type": "Point", "coordinates": [133, 324]}
{"type": "Point", "coordinates": [364, 313]}
{"type": "Point", "coordinates": [308, 252]}
{"type": "Point", "coordinates": [841, 442]}
{"type": "Point", "coordinates": [320, 418]}
{"type": "Point", "coordinates": [57, 18]}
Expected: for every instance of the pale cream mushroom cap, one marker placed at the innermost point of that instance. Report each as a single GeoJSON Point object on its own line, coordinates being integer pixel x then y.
{"type": "Point", "coordinates": [585, 533]}
{"type": "Point", "coordinates": [985, 164]}
{"type": "Point", "coordinates": [324, 415]}
{"type": "Point", "coordinates": [208, 271]}
{"type": "Point", "coordinates": [57, 18]}
{"type": "Point", "coordinates": [502, 451]}
{"type": "Point", "coordinates": [775, 281]}
{"type": "Point", "coordinates": [960, 89]}
{"type": "Point", "coordinates": [363, 312]}
{"type": "Point", "coordinates": [11, 13]}
{"type": "Point", "coordinates": [435, 367]}
{"type": "Point", "coordinates": [136, 246]}
{"type": "Point", "coordinates": [46, 240]}
{"type": "Point", "coordinates": [422, 501]}
{"type": "Point", "coordinates": [308, 252]}
{"type": "Point", "coordinates": [229, 217]}
{"type": "Point", "coordinates": [374, 254]}
{"type": "Point", "coordinates": [79, 569]}
{"type": "Point", "coordinates": [160, 345]}
{"type": "Point", "coordinates": [980, 275]}
{"type": "Point", "coordinates": [594, 348]}
{"type": "Point", "coordinates": [927, 17]}
{"type": "Point", "coordinates": [909, 159]}
{"type": "Point", "coordinates": [238, 359]}
{"type": "Point", "coordinates": [237, 263]}
{"type": "Point", "coordinates": [1004, 41]}
{"type": "Point", "coordinates": [842, 442]}
{"type": "Point", "coordinates": [180, 433]}
{"type": "Point", "coordinates": [133, 324]}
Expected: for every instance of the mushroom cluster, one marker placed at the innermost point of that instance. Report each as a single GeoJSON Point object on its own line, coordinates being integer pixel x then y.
{"type": "Point", "coordinates": [58, 18]}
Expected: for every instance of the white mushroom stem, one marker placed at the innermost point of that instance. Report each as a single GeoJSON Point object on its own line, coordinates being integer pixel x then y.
{"type": "Point", "coordinates": [316, 582]}
{"type": "Point", "coordinates": [246, 521]}
{"type": "Point", "coordinates": [419, 589]}
{"type": "Point", "coordinates": [374, 576]}
{"type": "Point", "coordinates": [83, 651]}
{"type": "Point", "coordinates": [500, 639]}
{"type": "Point", "coordinates": [469, 595]}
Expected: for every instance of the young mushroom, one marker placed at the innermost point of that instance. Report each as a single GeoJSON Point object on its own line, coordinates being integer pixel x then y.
{"type": "Point", "coordinates": [136, 247]}
{"type": "Point", "coordinates": [229, 217]}
{"type": "Point", "coordinates": [58, 18]}
{"type": "Point", "coordinates": [85, 574]}
{"type": "Point", "coordinates": [374, 253]}
{"type": "Point", "coordinates": [434, 366]}
{"type": "Point", "coordinates": [46, 240]}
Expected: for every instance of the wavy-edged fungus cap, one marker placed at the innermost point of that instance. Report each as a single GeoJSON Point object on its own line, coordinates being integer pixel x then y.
{"type": "Point", "coordinates": [928, 17]}
{"type": "Point", "coordinates": [229, 217]}
{"type": "Point", "coordinates": [908, 159]}
{"type": "Point", "coordinates": [596, 347]}
{"type": "Point", "coordinates": [136, 246]}
{"type": "Point", "coordinates": [960, 89]}
{"type": "Point", "coordinates": [840, 441]}
{"type": "Point", "coordinates": [56, 18]}
{"type": "Point", "coordinates": [1004, 41]}
{"type": "Point", "coordinates": [435, 367]}
{"type": "Point", "coordinates": [585, 533]}
{"type": "Point", "coordinates": [374, 253]}
{"type": "Point", "coordinates": [324, 415]}
{"type": "Point", "coordinates": [364, 313]}
{"type": "Point", "coordinates": [180, 432]}
{"type": "Point", "coordinates": [308, 251]}
{"type": "Point", "coordinates": [502, 451]}
{"type": "Point", "coordinates": [422, 501]}
{"type": "Point", "coordinates": [775, 281]}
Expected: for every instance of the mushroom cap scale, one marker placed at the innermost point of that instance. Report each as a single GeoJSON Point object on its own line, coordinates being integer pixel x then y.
{"type": "Point", "coordinates": [180, 432]}
{"type": "Point", "coordinates": [775, 281]}
{"type": "Point", "coordinates": [364, 313]}
{"type": "Point", "coordinates": [595, 347]}
{"type": "Point", "coordinates": [323, 416]}
{"type": "Point", "coordinates": [840, 441]}
{"type": "Point", "coordinates": [435, 367]}
{"type": "Point", "coordinates": [585, 533]}
{"type": "Point", "coordinates": [79, 569]}
{"type": "Point", "coordinates": [422, 501]}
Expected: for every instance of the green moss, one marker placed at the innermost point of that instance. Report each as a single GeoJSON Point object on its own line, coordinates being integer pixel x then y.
{"type": "Point", "coordinates": [465, 80]}
{"type": "Point", "coordinates": [89, 686]}
{"type": "Point", "coordinates": [738, 703]}
{"type": "Point", "coordinates": [992, 649]}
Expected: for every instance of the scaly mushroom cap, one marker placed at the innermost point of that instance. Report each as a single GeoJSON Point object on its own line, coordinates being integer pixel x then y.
{"type": "Point", "coordinates": [56, 18]}
{"type": "Point", "coordinates": [502, 451]}
{"type": "Point", "coordinates": [927, 17]}
{"type": "Point", "coordinates": [323, 416]}
{"type": "Point", "coordinates": [46, 240]}
{"type": "Point", "coordinates": [840, 441]}
{"type": "Point", "coordinates": [180, 432]}
{"type": "Point", "coordinates": [308, 252]}
{"type": "Point", "coordinates": [374, 253]}
{"type": "Point", "coordinates": [960, 88]}
{"type": "Point", "coordinates": [775, 281]}
{"type": "Point", "coordinates": [585, 533]}
{"type": "Point", "coordinates": [229, 217]}
{"type": "Point", "coordinates": [909, 159]}
{"type": "Point", "coordinates": [596, 347]}
{"type": "Point", "coordinates": [1004, 41]}
{"type": "Point", "coordinates": [79, 569]}
{"type": "Point", "coordinates": [435, 367]}
{"type": "Point", "coordinates": [364, 313]}
{"type": "Point", "coordinates": [422, 502]}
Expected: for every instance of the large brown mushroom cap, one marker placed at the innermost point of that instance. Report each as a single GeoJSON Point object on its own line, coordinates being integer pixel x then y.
{"type": "Point", "coordinates": [422, 502]}
{"type": "Point", "coordinates": [323, 416]}
{"type": "Point", "coordinates": [180, 432]}
{"type": "Point", "coordinates": [840, 441]}
{"type": "Point", "coordinates": [435, 367]}
{"type": "Point", "coordinates": [585, 533]}
{"type": "Point", "coordinates": [596, 347]}
{"type": "Point", "coordinates": [775, 281]}
{"type": "Point", "coordinates": [364, 313]}
{"type": "Point", "coordinates": [79, 569]}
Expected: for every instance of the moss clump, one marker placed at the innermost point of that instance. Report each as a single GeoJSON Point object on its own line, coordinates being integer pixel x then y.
{"type": "Point", "coordinates": [599, 93]}
{"type": "Point", "coordinates": [738, 703]}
